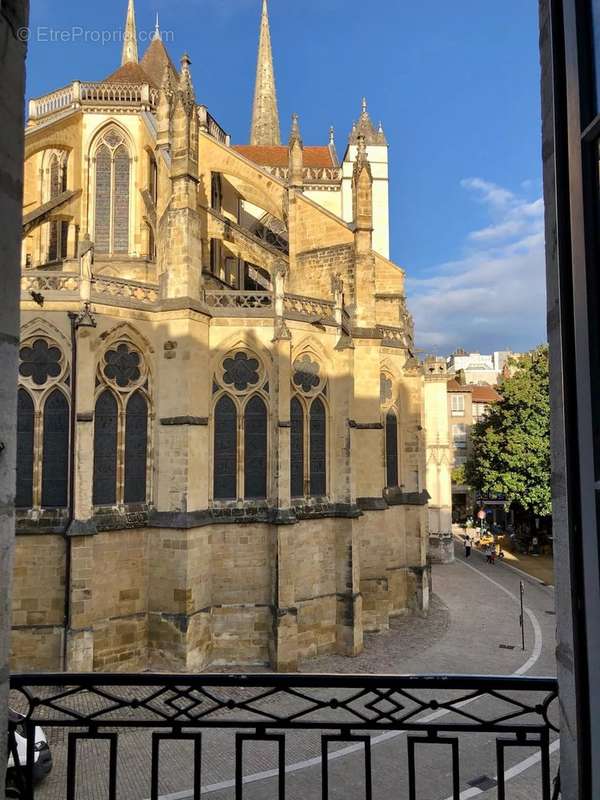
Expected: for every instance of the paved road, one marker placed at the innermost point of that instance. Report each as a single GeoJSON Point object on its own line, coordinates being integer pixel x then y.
{"type": "Point", "coordinates": [472, 628]}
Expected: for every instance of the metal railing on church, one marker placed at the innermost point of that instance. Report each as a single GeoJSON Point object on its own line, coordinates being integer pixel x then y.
{"type": "Point", "coordinates": [344, 735]}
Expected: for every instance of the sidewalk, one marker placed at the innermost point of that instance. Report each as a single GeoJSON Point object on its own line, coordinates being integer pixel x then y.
{"type": "Point", "coordinates": [541, 567]}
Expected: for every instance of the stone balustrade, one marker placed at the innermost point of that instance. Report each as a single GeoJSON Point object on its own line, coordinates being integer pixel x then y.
{"type": "Point", "coordinates": [395, 337]}
{"type": "Point", "coordinates": [309, 307]}
{"type": "Point", "coordinates": [218, 302]}
{"type": "Point", "coordinates": [102, 93]}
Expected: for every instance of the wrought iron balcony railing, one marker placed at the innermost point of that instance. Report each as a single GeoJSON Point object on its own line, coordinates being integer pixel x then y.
{"type": "Point", "coordinates": [339, 735]}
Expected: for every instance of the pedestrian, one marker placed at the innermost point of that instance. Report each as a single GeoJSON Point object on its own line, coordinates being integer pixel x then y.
{"type": "Point", "coordinates": [488, 554]}
{"type": "Point", "coordinates": [468, 546]}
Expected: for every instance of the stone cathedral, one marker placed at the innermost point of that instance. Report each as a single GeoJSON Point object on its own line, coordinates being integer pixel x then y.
{"type": "Point", "coordinates": [228, 453]}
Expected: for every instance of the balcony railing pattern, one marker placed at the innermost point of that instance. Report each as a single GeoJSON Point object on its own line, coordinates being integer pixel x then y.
{"type": "Point", "coordinates": [125, 289]}
{"type": "Point", "coordinates": [396, 337]}
{"type": "Point", "coordinates": [50, 282]}
{"type": "Point", "coordinates": [309, 307]}
{"type": "Point", "coordinates": [238, 301]}
{"type": "Point", "coordinates": [495, 717]}
{"type": "Point", "coordinates": [219, 302]}
{"type": "Point", "coordinates": [104, 93]}
{"type": "Point", "coordinates": [51, 103]}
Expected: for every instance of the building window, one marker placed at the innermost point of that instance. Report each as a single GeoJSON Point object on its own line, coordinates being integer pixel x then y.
{"type": "Point", "coordinates": [459, 436]}
{"type": "Point", "coordinates": [240, 428]}
{"type": "Point", "coordinates": [457, 402]}
{"type": "Point", "coordinates": [297, 448]}
{"type": "Point", "coordinates": [58, 230]}
{"type": "Point", "coordinates": [308, 440]}
{"type": "Point", "coordinates": [112, 178]}
{"type": "Point", "coordinates": [216, 192]}
{"type": "Point", "coordinates": [152, 178]}
{"type": "Point", "coordinates": [311, 451]}
{"type": "Point", "coordinates": [151, 243]}
{"type": "Point", "coordinates": [225, 450]}
{"type": "Point", "coordinates": [136, 448]}
{"type": "Point", "coordinates": [318, 449]}
{"type": "Point", "coordinates": [255, 449]}
{"type": "Point", "coordinates": [55, 463]}
{"type": "Point", "coordinates": [25, 437]}
{"type": "Point", "coordinates": [121, 428]}
{"type": "Point", "coordinates": [215, 257]}
{"type": "Point", "coordinates": [105, 450]}
{"type": "Point", "coordinates": [43, 427]}
{"type": "Point", "coordinates": [391, 448]}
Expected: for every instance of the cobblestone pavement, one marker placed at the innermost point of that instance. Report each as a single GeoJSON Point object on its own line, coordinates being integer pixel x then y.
{"type": "Point", "coordinates": [472, 623]}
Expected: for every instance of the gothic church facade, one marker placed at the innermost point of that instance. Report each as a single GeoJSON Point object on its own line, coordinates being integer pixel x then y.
{"type": "Point", "coordinates": [227, 450]}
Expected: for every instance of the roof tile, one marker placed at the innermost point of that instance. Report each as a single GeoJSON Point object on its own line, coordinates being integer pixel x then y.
{"type": "Point", "coordinates": [277, 155]}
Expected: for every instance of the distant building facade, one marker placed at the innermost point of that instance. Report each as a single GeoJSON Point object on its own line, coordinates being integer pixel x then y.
{"type": "Point", "coordinates": [228, 452]}
{"type": "Point", "coordinates": [467, 405]}
{"type": "Point", "coordinates": [475, 368]}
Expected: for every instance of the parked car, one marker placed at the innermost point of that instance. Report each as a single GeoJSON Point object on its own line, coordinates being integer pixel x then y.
{"type": "Point", "coordinates": [41, 754]}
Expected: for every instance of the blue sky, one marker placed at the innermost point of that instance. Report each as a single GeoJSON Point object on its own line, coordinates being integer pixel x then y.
{"type": "Point", "coordinates": [456, 85]}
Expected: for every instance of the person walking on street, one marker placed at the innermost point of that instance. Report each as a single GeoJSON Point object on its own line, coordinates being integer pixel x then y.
{"type": "Point", "coordinates": [468, 546]}
{"type": "Point", "coordinates": [488, 554]}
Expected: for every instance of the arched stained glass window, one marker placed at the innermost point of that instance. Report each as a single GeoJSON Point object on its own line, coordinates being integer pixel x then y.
{"type": "Point", "coordinates": [297, 448]}
{"type": "Point", "coordinates": [136, 448]}
{"type": "Point", "coordinates": [55, 463]}
{"type": "Point", "coordinates": [103, 193]}
{"type": "Point", "coordinates": [255, 449]}
{"type": "Point", "coordinates": [391, 448]}
{"type": "Point", "coordinates": [225, 450]}
{"type": "Point", "coordinates": [318, 449]}
{"type": "Point", "coordinates": [25, 428]}
{"type": "Point", "coordinates": [105, 450]}
{"type": "Point", "coordinates": [113, 166]}
{"type": "Point", "coordinates": [121, 201]}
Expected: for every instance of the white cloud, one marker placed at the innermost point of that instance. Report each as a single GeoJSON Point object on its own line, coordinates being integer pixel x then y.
{"type": "Point", "coordinates": [494, 295]}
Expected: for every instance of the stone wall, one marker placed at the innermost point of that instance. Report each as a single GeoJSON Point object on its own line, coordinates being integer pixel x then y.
{"type": "Point", "coordinates": [175, 599]}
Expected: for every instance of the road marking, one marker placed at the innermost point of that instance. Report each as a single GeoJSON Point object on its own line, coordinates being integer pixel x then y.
{"type": "Point", "coordinates": [384, 737]}
{"type": "Point", "coordinates": [511, 773]}
{"type": "Point", "coordinates": [537, 630]}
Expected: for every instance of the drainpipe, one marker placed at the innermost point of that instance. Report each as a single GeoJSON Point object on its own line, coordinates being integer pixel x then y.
{"type": "Point", "coordinates": [83, 319]}
{"type": "Point", "coordinates": [71, 508]}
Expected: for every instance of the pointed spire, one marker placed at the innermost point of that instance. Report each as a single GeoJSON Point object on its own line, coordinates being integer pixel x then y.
{"type": "Point", "coordinates": [332, 135]}
{"type": "Point", "coordinates": [364, 127]}
{"type": "Point", "coordinates": [130, 48]}
{"type": "Point", "coordinates": [295, 155]}
{"type": "Point", "coordinates": [295, 135]}
{"type": "Point", "coordinates": [265, 115]}
{"type": "Point", "coordinates": [186, 88]}
{"type": "Point", "coordinates": [156, 34]}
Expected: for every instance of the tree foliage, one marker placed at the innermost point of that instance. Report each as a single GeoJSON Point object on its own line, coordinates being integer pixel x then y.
{"type": "Point", "coordinates": [510, 452]}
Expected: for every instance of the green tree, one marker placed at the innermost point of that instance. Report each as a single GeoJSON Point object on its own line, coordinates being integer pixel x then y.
{"type": "Point", "coordinates": [510, 452]}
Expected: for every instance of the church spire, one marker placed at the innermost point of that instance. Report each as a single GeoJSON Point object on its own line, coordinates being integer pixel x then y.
{"type": "Point", "coordinates": [130, 48]}
{"type": "Point", "coordinates": [265, 116]}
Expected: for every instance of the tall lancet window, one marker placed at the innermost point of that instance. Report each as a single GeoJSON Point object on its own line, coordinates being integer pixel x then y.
{"type": "Point", "coordinates": [55, 185]}
{"type": "Point", "coordinates": [112, 178]}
